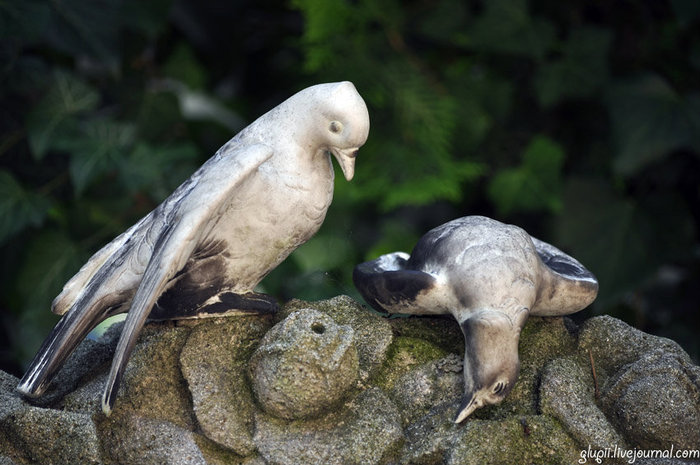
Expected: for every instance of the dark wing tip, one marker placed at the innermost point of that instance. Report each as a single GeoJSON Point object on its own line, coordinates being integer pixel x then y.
{"type": "Point", "coordinates": [384, 283]}
{"type": "Point", "coordinates": [562, 264]}
{"type": "Point", "coordinates": [567, 286]}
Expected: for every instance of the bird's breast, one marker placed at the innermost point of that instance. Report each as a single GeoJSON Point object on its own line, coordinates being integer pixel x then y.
{"type": "Point", "coordinates": [266, 220]}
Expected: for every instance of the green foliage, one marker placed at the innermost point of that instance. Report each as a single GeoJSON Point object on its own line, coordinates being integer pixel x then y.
{"type": "Point", "coordinates": [535, 184]}
{"type": "Point", "coordinates": [19, 208]}
{"type": "Point", "coordinates": [67, 97]}
{"type": "Point", "coordinates": [650, 121]}
{"type": "Point", "coordinates": [577, 121]}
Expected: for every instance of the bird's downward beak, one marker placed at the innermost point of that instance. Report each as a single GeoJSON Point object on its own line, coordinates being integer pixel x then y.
{"type": "Point", "coordinates": [466, 408]}
{"type": "Point", "coordinates": [346, 160]}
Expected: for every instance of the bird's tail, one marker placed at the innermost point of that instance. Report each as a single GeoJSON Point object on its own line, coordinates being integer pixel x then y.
{"type": "Point", "coordinates": [64, 338]}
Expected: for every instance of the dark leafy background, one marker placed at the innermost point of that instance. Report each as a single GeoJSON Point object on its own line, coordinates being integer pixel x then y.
{"type": "Point", "coordinates": [579, 121]}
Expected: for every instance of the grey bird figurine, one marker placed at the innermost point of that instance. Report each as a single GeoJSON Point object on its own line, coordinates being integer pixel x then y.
{"type": "Point", "coordinates": [490, 276]}
{"type": "Point", "coordinates": [203, 250]}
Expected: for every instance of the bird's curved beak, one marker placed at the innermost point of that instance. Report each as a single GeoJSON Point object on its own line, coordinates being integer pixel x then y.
{"type": "Point", "coordinates": [346, 160]}
{"type": "Point", "coordinates": [466, 408]}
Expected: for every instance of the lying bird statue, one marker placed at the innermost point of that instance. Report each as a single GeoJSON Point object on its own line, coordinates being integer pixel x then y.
{"type": "Point", "coordinates": [490, 276]}
{"type": "Point", "coordinates": [204, 249]}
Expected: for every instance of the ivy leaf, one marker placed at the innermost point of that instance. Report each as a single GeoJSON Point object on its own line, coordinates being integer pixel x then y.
{"type": "Point", "coordinates": [142, 168]}
{"type": "Point", "coordinates": [581, 70]}
{"type": "Point", "coordinates": [19, 207]}
{"type": "Point", "coordinates": [649, 121]}
{"type": "Point", "coordinates": [98, 147]}
{"type": "Point", "coordinates": [535, 184]}
{"type": "Point", "coordinates": [66, 97]}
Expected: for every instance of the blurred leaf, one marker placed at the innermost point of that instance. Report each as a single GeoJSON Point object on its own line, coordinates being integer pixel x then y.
{"type": "Point", "coordinates": [506, 26]}
{"type": "Point", "coordinates": [319, 31]}
{"type": "Point", "coordinates": [581, 70]}
{"type": "Point", "coordinates": [621, 240]}
{"type": "Point", "coordinates": [51, 258]}
{"type": "Point", "coordinates": [98, 147]}
{"type": "Point", "coordinates": [395, 236]}
{"type": "Point", "coordinates": [443, 21]}
{"type": "Point", "coordinates": [23, 20]}
{"type": "Point", "coordinates": [143, 169]}
{"type": "Point", "coordinates": [19, 207]}
{"type": "Point", "coordinates": [323, 252]}
{"type": "Point", "coordinates": [182, 65]}
{"type": "Point", "coordinates": [67, 96]}
{"type": "Point", "coordinates": [649, 121]}
{"type": "Point", "coordinates": [83, 28]}
{"type": "Point", "coordinates": [535, 184]}
{"type": "Point", "coordinates": [149, 18]}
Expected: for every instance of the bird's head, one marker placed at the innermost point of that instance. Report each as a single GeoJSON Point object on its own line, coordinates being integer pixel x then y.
{"type": "Point", "coordinates": [340, 122]}
{"type": "Point", "coordinates": [491, 363]}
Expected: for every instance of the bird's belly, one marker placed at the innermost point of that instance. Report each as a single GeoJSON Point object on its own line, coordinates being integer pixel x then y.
{"type": "Point", "coordinates": [260, 231]}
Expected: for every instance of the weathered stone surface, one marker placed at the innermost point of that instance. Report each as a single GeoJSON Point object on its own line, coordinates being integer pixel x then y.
{"type": "Point", "coordinates": [405, 354]}
{"type": "Point", "coordinates": [372, 329]}
{"type": "Point", "coordinates": [129, 438]}
{"type": "Point", "coordinates": [567, 394]}
{"type": "Point", "coordinates": [214, 363]}
{"type": "Point", "coordinates": [430, 439]}
{"type": "Point", "coordinates": [153, 386]}
{"type": "Point", "coordinates": [613, 344]}
{"type": "Point", "coordinates": [50, 436]}
{"type": "Point", "coordinates": [363, 433]}
{"type": "Point", "coordinates": [534, 439]}
{"type": "Point", "coordinates": [655, 401]}
{"type": "Point", "coordinates": [304, 365]}
{"type": "Point", "coordinates": [187, 398]}
{"type": "Point", "coordinates": [433, 383]}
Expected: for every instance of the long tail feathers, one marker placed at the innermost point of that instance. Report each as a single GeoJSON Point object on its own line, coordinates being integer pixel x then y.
{"type": "Point", "coordinates": [60, 343]}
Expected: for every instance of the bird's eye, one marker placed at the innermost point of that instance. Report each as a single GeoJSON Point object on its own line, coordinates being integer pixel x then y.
{"type": "Point", "coordinates": [336, 127]}
{"type": "Point", "coordinates": [499, 387]}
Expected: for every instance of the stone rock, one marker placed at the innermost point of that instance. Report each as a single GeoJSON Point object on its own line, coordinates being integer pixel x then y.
{"type": "Point", "coordinates": [369, 327]}
{"type": "Point", "coordinates": [431, 384]}
{"type": "Point", "coordinates": [524, 439]}
{"type": "Point", "coordinates": [304, 365]}
{"type": "Point", "coordinates": [655, 401]}
{"type": "Point", "coordinates": [188, 397]}
{"type": "Point", "coordinates": [567, 394]}
{"type": "Point", "coordinates": [404, 355]}
{"type": "Point", "coordinates": [153, 385]}
{"type": "Point", "coordinates": [50, 436]}
{"type": "Point", "coordinates": [364, 433]}
{"type": "Point", "coordinates": [129, 438]}
{"type": "Point", "coordinates": [430, 439]}
{"type": "Point", "coordinates": [214, 361]}
{"type": "Point", "coordinates": [613, 344]}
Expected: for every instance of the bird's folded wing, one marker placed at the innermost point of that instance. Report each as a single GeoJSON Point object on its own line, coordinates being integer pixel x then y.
{"type": "Point", "coordinates": [185, 218]}
{"type": "Point", "coordinates": [566, 286]}
{"type": "Point", "coordinates": [387, 287]}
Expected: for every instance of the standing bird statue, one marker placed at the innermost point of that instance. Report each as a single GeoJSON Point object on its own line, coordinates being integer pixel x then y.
{"type": "Point", "coordinates": [204, 249]}
{"type": "Point", "coordinates": [490, 276]}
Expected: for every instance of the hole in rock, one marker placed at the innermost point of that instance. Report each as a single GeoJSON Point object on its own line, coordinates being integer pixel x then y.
{"type": "Point", "coordinates": [318, 328]}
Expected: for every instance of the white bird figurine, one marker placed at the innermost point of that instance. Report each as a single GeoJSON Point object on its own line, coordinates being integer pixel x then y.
{"type": "Point", "coordinates": [204, 249]}
{"type": "Point", "coordinates": [490, 276]}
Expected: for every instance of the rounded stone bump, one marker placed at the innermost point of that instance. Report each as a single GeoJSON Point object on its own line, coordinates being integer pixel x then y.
{"type": "Point", "coordinates": [304, 365]}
